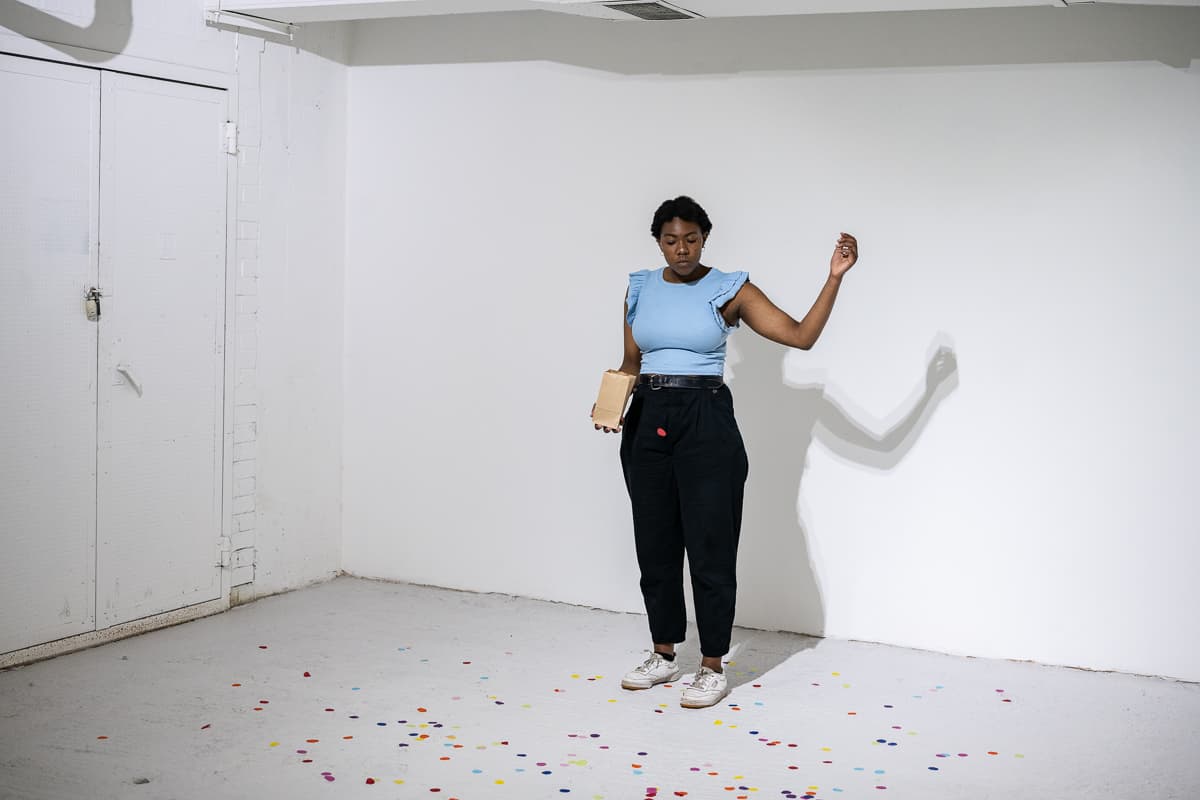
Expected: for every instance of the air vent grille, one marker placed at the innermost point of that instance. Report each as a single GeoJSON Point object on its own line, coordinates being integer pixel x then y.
{"type": "Point", "coordinates": [650, 11]}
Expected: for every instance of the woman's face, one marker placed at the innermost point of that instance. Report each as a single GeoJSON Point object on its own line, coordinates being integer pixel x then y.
{"type": "Point", "coordinates": [681, 243]}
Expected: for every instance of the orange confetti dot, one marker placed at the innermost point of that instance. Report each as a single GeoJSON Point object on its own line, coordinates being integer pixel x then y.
{"type": "Point", "coordinates": [422, 710]}
{"type": "Point", "coordinates": [235, 684]}
{"type": "Point", "coordinates": [101, 737]}
{"type": "Point", "coordinates": [312, 741]}
{"type": "Point", "coordinates": [851, 713]}
{"type": "Point", "coordinates": [444, 758]}
{"type": "Point", "coordinates": [347, 737]}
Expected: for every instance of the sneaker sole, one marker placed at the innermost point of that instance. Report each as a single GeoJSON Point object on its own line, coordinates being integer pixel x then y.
{"type": "Point", "coordinates": [635, 688]}
{"type": "Point", "coordinates": [719, 698]}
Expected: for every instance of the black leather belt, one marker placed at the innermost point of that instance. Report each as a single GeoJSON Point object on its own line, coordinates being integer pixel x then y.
{"type": "Point", "coordinates": [681, 381]}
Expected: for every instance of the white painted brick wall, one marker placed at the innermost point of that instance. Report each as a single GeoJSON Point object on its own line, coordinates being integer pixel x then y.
{"type": "Point", "coordinates": [245, 411]}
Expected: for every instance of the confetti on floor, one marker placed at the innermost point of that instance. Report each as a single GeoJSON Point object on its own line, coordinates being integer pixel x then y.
{"type": "Point", "coordinates": [453, 695]}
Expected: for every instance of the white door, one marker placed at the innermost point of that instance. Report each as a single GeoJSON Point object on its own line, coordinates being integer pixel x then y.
{"type": "Point", "coordinates": [48, 179]}
{"type": "Point", "coordinates": [161, 363]}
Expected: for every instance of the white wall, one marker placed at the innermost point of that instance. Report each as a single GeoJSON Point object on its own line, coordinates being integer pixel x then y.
{"type": "Point", "coordinates": [1039, 218]}
{"type": "Point", "coordinates": [283, 502]}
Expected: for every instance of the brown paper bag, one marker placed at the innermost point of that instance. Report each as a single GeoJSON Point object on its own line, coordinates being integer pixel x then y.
{"type": "Point", "coordinates": [615, 388]}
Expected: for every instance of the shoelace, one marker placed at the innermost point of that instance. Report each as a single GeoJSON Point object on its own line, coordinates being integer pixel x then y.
{"type": "Point", "coordinates": [705, 681]}
{"type": "Point", "coordinates": [650, 663]}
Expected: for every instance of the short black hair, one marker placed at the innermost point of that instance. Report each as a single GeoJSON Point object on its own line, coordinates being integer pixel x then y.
{"type": "Point", "coordinates": [683, 207]}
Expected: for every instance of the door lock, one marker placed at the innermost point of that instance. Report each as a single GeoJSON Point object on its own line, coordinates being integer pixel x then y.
{"type": "Point", "coordinates": [91, 304]}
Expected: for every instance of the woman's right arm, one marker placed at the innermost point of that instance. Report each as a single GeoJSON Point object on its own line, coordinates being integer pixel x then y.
{"type": "Point", "coordinates": [631, 362]}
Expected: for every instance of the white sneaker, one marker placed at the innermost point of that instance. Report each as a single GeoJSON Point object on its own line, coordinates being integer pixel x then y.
{"type": "Point", "coordinates": [707, 689]}
{"type": "Point", "coordinates": [653, 670]}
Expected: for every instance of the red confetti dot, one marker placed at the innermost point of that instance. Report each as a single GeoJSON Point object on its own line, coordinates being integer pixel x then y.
{"type": "Point", "coordinates": [370, 781]}
{"type": "Point", "coordinates": [992, 753]}
{"type": "Point", "coordinates": [308, 674]}
{"type": "Point", "coordinates": [101, 737]}
{"type": "Point", "coordinates": [329, 709]}
{"type": "Point", "coordinates": [262, 647]}
{"type": "Point", "coordinates": [206, 726]}
{"type": "Point", "coordinates": [662, 432]}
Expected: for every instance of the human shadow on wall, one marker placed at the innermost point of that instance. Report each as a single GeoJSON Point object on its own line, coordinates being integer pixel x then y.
{"type": "Point", "coordinates": [778, 581]}
{"type": "Point", "coordinates": [105, 37]}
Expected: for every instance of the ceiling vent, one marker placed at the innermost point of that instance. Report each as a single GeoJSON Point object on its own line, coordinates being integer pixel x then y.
{"type": "Point", "coordinates": [653, 11]}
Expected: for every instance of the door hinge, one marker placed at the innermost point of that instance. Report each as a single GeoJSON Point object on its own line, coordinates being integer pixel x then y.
{"type": "Point", "coordinates": [223, 552]}
{"type": "Point", "coordinates": [231, 142]}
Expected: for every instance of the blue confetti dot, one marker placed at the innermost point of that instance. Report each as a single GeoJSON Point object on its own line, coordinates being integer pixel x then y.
{"type": "Point", "coordinates": [933, 769]}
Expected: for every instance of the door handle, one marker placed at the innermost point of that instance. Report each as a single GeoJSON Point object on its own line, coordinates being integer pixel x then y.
{"type": "Point", "coordinates": [124, 370]}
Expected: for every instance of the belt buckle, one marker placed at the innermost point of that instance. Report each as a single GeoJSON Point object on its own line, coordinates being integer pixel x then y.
{"type": "Point", "coordinates": [655, 383]}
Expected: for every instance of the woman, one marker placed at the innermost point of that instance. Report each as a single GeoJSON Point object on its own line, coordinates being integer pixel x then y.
{"type": "Point", "coordinates": [682, 454]}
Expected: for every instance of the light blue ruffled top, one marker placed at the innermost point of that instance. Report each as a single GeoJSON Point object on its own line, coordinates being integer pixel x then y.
{"type": "Point", "coordinates": [678, 326]}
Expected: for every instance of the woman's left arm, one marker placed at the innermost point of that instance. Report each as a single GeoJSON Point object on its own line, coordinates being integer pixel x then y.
{"type": "Point", "coordinates": [768, 320]}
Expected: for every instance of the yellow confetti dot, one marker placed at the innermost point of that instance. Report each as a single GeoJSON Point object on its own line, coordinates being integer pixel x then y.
{"type": "Point", "coordinates": [845, 686]}
{"type": "Point", "coordinates": [575, 676]}
{"type": "Point", "coordinates": [835, 674]}
{"type": "Point", "coordinates": [716, 722]}
{"type": "Point", "coordinates": [274, 744]}
{"type": "Point", "coordinates": [1018, 755]}
{"type": "Point", "coordinates": [397, 781]}
{"type": "Point", "coordinates": [499, 781]}
{"type": "Point", "coordinates": [612, 701]}
{"type": "Point", "coordinates": [826, 749]}
{"type": "Point", "coordinates": [813, 788]}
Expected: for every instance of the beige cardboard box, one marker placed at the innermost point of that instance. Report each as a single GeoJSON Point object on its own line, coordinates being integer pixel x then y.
{"type": "Point", "coordinates": [615, 388]}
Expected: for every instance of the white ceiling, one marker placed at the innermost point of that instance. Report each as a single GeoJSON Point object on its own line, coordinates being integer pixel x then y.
{"type": "Point", "coordinates": [301, 11]}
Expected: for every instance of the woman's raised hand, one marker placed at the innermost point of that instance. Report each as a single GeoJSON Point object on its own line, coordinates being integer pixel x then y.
{"type": "Point", "coordinates": [845, 253]}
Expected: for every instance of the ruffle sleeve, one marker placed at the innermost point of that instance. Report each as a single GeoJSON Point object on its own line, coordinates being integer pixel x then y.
{"type": "Point", "coordinates": [726, 289]}
{"type": "Point", "coordinates": [636, 281]}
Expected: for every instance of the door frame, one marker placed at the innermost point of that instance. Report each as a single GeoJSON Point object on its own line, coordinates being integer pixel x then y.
{"type": "Point", "coordinates": [227, 82]}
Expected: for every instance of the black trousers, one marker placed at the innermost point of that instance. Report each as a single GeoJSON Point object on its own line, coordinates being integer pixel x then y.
{"type": "Point", "coordinates": [685, 468]}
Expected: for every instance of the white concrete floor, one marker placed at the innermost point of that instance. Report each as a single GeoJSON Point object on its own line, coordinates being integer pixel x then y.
{"type": "Point", "coordinates": [359, 688]}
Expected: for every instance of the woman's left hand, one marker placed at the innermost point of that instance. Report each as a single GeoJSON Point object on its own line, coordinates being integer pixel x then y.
{"type": "Point", "coordinates": [845, 253]}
